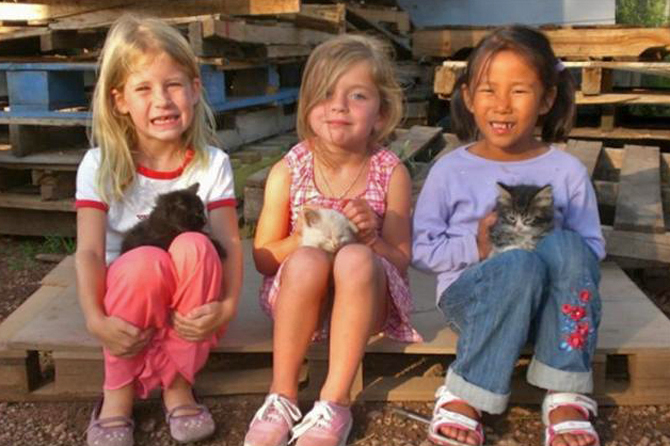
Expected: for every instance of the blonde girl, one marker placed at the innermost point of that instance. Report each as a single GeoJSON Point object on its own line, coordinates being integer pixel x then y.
{"type": "Point", "coordinates": [157, 313]}
{"type": "Point", "coordinates": [349, 103]}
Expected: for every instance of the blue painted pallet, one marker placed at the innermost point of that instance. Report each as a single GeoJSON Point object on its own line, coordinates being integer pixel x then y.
{"type": "Point", "coordinates": [38, 92]}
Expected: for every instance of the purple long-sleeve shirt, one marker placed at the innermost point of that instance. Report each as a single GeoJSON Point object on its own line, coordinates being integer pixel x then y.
{"type": "Point", "coordinates": [461, 189]}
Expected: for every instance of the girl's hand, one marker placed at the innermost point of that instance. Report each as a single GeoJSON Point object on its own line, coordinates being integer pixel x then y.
{"type": "Point", "coordinates": [365, 218]}
{"type": "Point", "coordinates": [121, 338]}
{"type": "Point", "coordinates": [483, 240]}
{"type": "Point", "coordinates": [203, 321]}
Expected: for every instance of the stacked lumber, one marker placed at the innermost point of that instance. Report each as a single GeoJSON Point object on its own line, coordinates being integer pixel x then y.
{"type": "Point", "coordinates": [613, 65]}
{"type": "Point", "coordinates": [251, 54]}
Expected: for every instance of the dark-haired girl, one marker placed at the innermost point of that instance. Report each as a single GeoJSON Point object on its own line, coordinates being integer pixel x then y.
{"type": "Point", "coordinates": [548, 296]}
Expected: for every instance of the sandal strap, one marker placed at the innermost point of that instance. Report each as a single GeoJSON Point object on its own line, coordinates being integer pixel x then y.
{"type": "Point", "coordinates": [445, 397]}
{"type": "Point", "coordinates": [570, 427]}
{"type": "Point", "coordinates": [447, 418]}
{"type": "Point", "coordinates": [101, 423]}
{"type": "Point", "coordinates": [172, 412]}
{"type": "Point", "coordinates": [583, 403]}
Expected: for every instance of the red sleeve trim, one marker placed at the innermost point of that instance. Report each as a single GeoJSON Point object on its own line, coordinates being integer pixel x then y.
{"type": "Point", "coordinates": [221, 203]}
{"type": "Point", "coordinates": [91, 204]}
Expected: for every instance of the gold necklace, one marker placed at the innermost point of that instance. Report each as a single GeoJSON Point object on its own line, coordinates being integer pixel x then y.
{"type": "Point", "coordinates": [348, 188]}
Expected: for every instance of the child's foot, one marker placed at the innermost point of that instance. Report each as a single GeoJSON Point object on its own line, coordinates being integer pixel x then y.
{"type": "Point", "coordinates": [566, 416]}
{"type": "Point", "coordinates": [273, 422]}
{"type": "Point", "coordinates": [463, 435]}
{"type": "Point", "coordinates": [454, 421]}
{"type": "Point", "coordinates": [188, 420]}
{"type": "Point", "coordinates": [569, 413]}
{"type": "Point", "coordinates": [112, 430]}
{"type": "Point", "coordinates": [327, 424]}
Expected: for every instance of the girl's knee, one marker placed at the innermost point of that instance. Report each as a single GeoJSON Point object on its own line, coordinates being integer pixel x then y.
{"type": "Point", "coordinates": [566, 253]}
{"type": "Point", "coordinates": [140, 265]}
{"type": "Point", "coordinates": [191, 245]}
{"type": "Point", "coordinates": [305, 264]}
{"type": "Point", "coordinates": [356, 263]}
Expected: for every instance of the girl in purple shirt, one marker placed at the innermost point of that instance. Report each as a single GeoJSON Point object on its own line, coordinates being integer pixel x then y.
{"type": "Point", "coordinates": [547, 296]}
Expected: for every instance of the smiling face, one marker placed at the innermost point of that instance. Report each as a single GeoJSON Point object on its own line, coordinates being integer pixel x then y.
{"type": "Point", "coordinates": [159, 97]}
{"type": "Point", "coordinates": [506, 101]}
{"type": "Point", "coordinates": [350, 112]}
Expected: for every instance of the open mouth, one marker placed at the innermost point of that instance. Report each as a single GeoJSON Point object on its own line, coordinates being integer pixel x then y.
{"type": "Point", "coordinates": [162, 120]}
{"type": "Point", "coordinates": [501, 127]}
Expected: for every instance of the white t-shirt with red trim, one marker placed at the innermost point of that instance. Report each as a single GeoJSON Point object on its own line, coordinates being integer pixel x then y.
{"type": "Point", "coordinates": [216, 190]}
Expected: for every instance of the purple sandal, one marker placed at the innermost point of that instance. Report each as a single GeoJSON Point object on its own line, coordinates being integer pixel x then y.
{"type": "Point", "coordinates": [192, 427]}
{"type": "Point", "coordinates": [99, 433]}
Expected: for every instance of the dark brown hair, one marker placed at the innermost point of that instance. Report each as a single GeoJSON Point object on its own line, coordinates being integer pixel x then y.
{"type": "Point", "coordinates": [534, 46]}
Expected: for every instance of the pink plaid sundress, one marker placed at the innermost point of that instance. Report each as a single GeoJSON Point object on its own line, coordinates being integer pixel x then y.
{"type": "Point", "coordinates": [303, 190]}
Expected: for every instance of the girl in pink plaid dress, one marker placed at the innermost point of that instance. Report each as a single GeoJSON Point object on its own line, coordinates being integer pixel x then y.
{"type": "Point", "coordinates": [349, 102]}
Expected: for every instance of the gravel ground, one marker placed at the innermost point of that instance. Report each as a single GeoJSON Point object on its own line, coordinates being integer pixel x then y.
{"type": "Point", "coordinates": [376, 424]}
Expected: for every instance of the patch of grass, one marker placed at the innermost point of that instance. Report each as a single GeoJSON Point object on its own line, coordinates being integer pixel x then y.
{"type": "Point", "coordinates": [28, 248]}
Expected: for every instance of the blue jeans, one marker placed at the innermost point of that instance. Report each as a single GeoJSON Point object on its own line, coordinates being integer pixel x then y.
{"type": "Point", "coordinates": [548, 297]}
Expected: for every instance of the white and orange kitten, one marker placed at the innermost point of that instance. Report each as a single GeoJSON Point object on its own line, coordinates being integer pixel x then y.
{"type": "Point", "coordinates": [327, 229]}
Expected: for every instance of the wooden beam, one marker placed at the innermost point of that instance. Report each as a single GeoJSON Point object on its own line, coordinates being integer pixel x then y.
{"type": "Point", "coordinates": [384, 15]}
{"type": "Point", "coordinates": [106, 15]}
{"type": "Point", "coordinates": [638, 245]}
{"type": "Point", "coordinates": [639, 206]}
{"type": "Point", "coordinates": [582, 43]}
{"type": "Point", "coordinates": [587, 152]}
{"type": "Point", "coordinates": [277, 34]}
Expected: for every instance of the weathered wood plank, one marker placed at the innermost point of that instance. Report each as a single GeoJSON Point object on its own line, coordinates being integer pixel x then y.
{"type": "Point", "coordinates": [586, 151]}
{"type": "Point", "coordinates": [278, 34]}
{"type": "Point", "coordinates": [105, 15]}
{"type": "Point", "coordinates": [583, 43]}
{"type": "Point", "coordinates": [639, 205]}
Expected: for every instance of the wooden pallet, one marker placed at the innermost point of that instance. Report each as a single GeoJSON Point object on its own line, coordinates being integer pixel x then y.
{"type": "Point", "coordinates": [37, 190]}
{"type": "Point", "coordinates": [44, 97]}
{"type": "Point", "coordinates": [632, 364]}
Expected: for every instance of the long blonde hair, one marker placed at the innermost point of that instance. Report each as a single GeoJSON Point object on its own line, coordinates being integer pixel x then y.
{"type": "Point", "coordinates": [130, 41]}
{"type": "Point", "coordinates": [330, 60]}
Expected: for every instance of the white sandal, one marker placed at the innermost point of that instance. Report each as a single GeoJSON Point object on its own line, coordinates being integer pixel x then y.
{"type": "Point", "coordinates": [447, 418]}
{"type": "Point", "coordinates": [582, 403]}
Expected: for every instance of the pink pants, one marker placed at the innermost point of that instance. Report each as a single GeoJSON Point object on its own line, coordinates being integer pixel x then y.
{"type": "Point", "coordinates": [144, 286]}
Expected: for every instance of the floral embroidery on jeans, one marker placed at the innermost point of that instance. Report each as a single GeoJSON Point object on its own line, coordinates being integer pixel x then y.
{"type": "Point", "coordinates": [575, 324]}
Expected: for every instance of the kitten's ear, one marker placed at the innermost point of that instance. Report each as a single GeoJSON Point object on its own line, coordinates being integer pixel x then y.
{"type": "Point", "coordinates": [545, 196]}
{"type": "Point", "coordinates": [504, 192]}
{"type": "Point", "coordinates": [193, 188]}
{"type": "Point", "coordinates": [312, 216]}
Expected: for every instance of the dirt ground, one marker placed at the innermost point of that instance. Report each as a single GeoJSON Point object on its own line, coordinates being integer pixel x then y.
{"type": "Point", "coordinates": [376, 424]}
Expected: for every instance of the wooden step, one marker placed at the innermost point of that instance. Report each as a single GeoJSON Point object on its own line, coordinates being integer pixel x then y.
{"type": "Point", "coordinates": [634, 335]}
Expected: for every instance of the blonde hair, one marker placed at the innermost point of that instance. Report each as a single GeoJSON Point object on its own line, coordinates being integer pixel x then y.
{"type": "Point", "coordinates": [129, 42]}
{"type": "Point", "coordinates": [330, 60]}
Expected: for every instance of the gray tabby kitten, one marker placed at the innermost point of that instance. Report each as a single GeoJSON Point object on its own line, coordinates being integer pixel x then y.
{"type": "Point", "coordinates": [525, 215]}
{"type": "Point", "coordinates": [327, 229]}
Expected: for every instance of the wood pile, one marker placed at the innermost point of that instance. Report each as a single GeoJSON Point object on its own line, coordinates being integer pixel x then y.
{"type": "Point", "coordinates": [251, 52]}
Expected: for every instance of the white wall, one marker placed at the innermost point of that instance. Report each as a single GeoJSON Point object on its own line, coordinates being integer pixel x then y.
{"type": "Point", "coordinates": [500, 12]}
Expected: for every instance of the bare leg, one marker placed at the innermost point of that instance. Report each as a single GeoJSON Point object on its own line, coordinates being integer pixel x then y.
{"type": "Point", "coordinates": [359, 310]}
{"type": "Point", "coordinates": [304, 286]}
{"type": "Point", "coordinates": [117, 402]}
{"type": "Point", "coordinates": [179, 393]}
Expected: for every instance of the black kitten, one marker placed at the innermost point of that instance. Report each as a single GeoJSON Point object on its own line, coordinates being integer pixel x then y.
{"type": "Point", "coordinates": [525, 215]}
{"type": "Point", "coordinates": [175, 212]}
